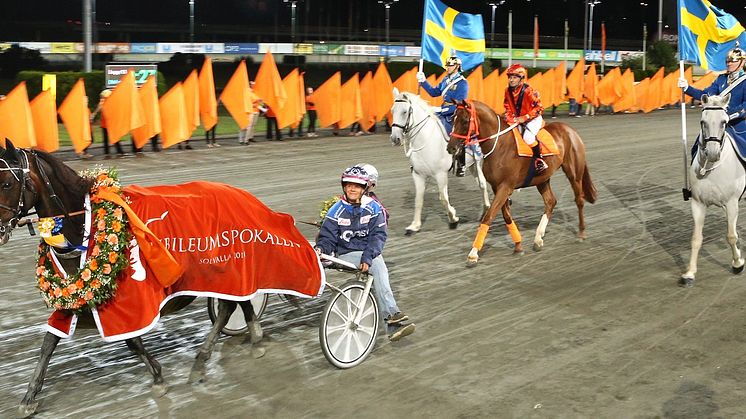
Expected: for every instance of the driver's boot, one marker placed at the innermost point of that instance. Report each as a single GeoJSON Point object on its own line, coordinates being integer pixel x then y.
{"type": "Point", "coordinates": [539, 164]}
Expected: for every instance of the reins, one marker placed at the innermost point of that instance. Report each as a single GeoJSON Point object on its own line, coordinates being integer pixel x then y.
{"type": "Point", "coordinates": [472, 135]}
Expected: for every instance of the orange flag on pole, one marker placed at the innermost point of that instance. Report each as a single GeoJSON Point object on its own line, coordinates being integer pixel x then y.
{"type": "Point", "coordinates": [235, 96]}
{"type": "Point", "coordinates": [148, 93]}
{"type": "Point", "coordinates": [641, 94]}
{"type": "Point", "coordinates": [384, 92]}
{"type": "Point", "coordinates": [301, 100]}
{"type": "Point", "coordinates": [268, 84]}
{"type": "Point", "coordinates": [368, 102]}
{"type": "Point", "coordinates": [351, 105]}
{"type": "Point", "coordinates": [502, 84]}
{"type": "Point", "coordinates": [476, 84]}
{"type": "Point", "coordinates": [174, 121]}
{"type": "Point", "coordinates": [560, 84]}
{"type": "Point", "coordinates": [16, 122]}
{"type": "Point", "coordinates": [190, 87]}
{"type": "Point", "coordinates": [76, 116]}
{"type": "Point", "coordinates": [653, 97]}
{"type": "Point", "coordinates": [123, 110]}
{"type": "Point", "coordinates": [288, 114]}
{"type": "Point", "coordinates": [407, 82]}
{"type": "Point", "coordinates": [575, 85]}
{"type": "Point", "coordinates": [547, 88]}
{"type": "Point", "coordinates": [537, 82]}
{"type": "Point", "coordinates": [627, 90]}
{"type": "Point", "coordinates": [44, 113]}
{"type": "Point", "coordinates": [327, 100]}
{"type": "Point", "coordinates": [590, 86]}
{"type": "Point", "coordinates": [706, 80]}
{"type": "Point", "coordinates": [490, 88]}
{"type": "Point", "coordinates": [609, 90]}
{"type": "Point", "coordinates": [208, 104]}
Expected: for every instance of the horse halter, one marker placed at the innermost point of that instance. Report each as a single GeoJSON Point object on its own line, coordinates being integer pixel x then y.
{"type": "Point", "coordinates": [408, 126]}
{"type": "Point", "coordinates": [718, 140]}
{"type": "Point", "coordinates": [473, 122]}
{"type": "Point", "coordinates": [22, 175]}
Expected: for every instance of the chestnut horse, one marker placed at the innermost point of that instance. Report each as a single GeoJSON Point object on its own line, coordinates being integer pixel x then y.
{"type": "Point", "coordinates": [506, 171]}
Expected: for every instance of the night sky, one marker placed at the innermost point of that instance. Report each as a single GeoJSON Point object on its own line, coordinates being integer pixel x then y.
{"type": "Point", "coordinates": [623, 18]}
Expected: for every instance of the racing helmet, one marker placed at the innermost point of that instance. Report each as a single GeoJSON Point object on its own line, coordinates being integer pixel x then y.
{"type": "Point", "coordinates": [372, 172]}
{"type": "Point", "coordinates": [454, 60]}
{"type": "Point", "coordinates": [517, 70]}
{"type": "Point", "coordinates": [355, 174]}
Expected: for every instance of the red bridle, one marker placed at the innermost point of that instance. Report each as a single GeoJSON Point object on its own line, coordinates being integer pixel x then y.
{"type": "Point", "coordinates": [472, 134]}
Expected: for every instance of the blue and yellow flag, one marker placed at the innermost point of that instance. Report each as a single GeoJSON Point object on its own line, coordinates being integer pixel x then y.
{"type": "Point", "coordinates": [446, 31]}
{"type": "Point", "coordinates": [707, 33]}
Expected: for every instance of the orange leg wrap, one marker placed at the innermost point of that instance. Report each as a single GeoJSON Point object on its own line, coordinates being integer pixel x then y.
{"type": "Point", "coordinates": [514, 233]}
{"type": "Point", "coordinates": [481, 235]}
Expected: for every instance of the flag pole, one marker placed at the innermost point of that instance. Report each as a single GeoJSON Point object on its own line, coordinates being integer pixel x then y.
{"type": "Point", "coordinates": [686, 192]}
{"type": "Point", "coordinates": [422, 62]}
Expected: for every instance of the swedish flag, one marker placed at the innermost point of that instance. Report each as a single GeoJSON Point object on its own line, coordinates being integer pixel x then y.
{"type": "Point", "coordinates": [707, 33]}
{"type": "Point", "coordinates": [446, 31]}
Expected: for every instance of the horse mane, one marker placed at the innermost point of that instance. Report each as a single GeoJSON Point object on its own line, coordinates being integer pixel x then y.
{"type": "Point", "coordinates": [416, 99]}
{"type": "Point", "coordinates": [75, 184]}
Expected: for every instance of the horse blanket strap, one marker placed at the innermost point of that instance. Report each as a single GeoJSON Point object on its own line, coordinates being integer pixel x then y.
{"type": "Point", "coordinates": [229, 243]}
{"type": "Point", "coordinates": [531, 173]}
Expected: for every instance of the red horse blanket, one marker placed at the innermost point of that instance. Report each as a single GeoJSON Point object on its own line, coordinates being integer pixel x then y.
{"type": "Point", "coordinates": [229, 244]}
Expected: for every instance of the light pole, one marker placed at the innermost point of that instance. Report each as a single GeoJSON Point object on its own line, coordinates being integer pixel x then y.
{"type": "Point", "coordinates": [493, 5]}
{"type": "Point", "coordinates": [387, 7]}
{"type": "Point", "coordinates": [644, 33]}
{"type": "Point", "coordinates": [191, 21]}
{"type": "Point", "coordinates": [592, 4]}
{"type": "Point", "coordinates": [660, 19]}
{"type": "Point", "coordinates": [87, 56]}
{"type": "Point", "coordinates": [293, 5]}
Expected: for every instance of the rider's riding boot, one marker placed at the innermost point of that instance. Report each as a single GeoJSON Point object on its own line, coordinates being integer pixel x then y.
{"type": "Point", "coordinates": [460, 164]}
{"type": "Point", "coordinates": [539, 163]}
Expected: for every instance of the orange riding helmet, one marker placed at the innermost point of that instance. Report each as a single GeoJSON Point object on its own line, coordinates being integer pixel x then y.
{"type": "Point", "coordinates": [517, 70]}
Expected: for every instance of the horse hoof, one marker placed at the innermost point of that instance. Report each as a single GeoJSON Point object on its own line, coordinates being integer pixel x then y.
{"type": "Point", "coordinates": [470, 263]}
{"type": "Point", "coordinates": [581, 236]}
{"type": "Point", "coordinates": [197, 375]}
{"type": "Point", "coordinates": [258, 352]}
{"type": "Point", "coordinates": [739, 269]}
{"type": "Point", "coordinates": [409, 232]}
{"type": "Point", "coordinates": [538, 247]}
{"type": "Point", "coordinates": [255, 329]}
{"type": "Point", "coordinates": [453, 225]}
{"type": "Point", "coordinates": [159, 390]}
{"type": "Point", "coordinates": [686, 282]}
{"type": "Point", "coordinates": [26, 410]}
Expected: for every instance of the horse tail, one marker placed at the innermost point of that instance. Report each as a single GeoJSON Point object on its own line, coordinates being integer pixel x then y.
{"type": "Point", "coordinates": [589, 189]}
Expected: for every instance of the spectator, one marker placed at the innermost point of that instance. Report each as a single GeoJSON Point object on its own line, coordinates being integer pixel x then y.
{"type": "Point", "coordinates": [311, 112]}
{"type": "Point", "coordinates": [272, 124]}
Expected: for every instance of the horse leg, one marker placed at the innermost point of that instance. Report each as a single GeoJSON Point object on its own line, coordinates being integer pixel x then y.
{"type": "Point", "coordinates": [549, 202]}
{"type": "Point", "coordinates": [29, 404]}
{"type": "Point", "coordinates": [577, 189]}
{"type": "Point", "coordinates": [442, 179]}
{"type": "Point", "coordinates": [501, 196]}
{"type": "Point", "coordinates": [483, 185]}
{"type": "Point", "coordinates": [255, 328]}
{"type": "Point", "coordinates": [135, 345]}
{"type": "Point", "coordinates": [698, 214]}
{"type": "Point", "coordinates": [731, 211]}
{"type": "Point", "coordinates": [419, 197]}
{"type": "Point", "coordinates": [225, 309]}
{"type": "Point", "coordinates": [512, 228]}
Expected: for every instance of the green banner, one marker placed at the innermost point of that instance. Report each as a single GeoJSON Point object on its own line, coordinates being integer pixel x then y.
{"type": "Point", "coordinates": [528, 54]}
{"type": "Point", "coordinates": [335, 49]}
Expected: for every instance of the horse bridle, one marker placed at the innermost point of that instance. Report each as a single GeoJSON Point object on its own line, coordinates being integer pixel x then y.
{"type": "Point", "coordinates": [407, 127]}
{"type": "Point", "coordinates": [22, 174]}
{"type": "Point", "coordinates": [719, 140]}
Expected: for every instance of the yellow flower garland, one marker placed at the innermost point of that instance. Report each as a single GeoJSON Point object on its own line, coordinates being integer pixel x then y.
{"type": "Point", "coordinates": [95, 283]}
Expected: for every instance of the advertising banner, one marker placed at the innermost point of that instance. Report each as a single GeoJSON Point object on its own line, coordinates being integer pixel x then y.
{"type": "Point", "coordinates": [306, 49]}
{"type": "Point", "coordinates": [241, 48]}
{"type": "Point", "coordinates": [115, 72]}
{"type": "Point", "coordinates": [143, 48]}
{"type": "Point", "coordinates": [362, 50]}
{"type": "Point", "coordinates": [393, 50]}
{"type": "Point", "coordinates": [188, 48]}
{"type": "Point", "coordinates": [276, 48]}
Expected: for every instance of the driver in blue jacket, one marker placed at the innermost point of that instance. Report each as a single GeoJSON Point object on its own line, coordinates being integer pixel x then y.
{"type": "Point", "coordinates": [355, 230]}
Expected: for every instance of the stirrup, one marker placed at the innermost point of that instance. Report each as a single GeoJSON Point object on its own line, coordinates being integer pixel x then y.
{"type": "Point", "coordinates": [540, 165]}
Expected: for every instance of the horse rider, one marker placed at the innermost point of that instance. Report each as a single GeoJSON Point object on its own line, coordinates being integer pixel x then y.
{"type": "Point", "coordinates": [733, 81]}
{"type": "Point", "coordinates": [453, 88]}
{"type": "Point", "coordinates": [523, 106]}
{"type": "Point", "coordinates": [355, 229]}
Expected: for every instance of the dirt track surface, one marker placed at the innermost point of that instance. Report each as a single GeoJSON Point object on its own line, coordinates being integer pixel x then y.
{"type": "Point", "coordinates": [581, 329]}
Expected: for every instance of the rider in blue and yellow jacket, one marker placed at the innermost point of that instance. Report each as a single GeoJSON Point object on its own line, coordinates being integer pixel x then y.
{"type": "Point", "coordinates": [454, 88]}
{"type": "Point", "coordinates": [355, 230]}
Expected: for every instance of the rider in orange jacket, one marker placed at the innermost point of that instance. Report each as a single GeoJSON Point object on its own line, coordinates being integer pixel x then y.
{"type": "Point", "coordinates": [523, 106]}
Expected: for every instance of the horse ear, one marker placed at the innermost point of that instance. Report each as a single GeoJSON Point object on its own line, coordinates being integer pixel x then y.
{"type": "Point", "coordinates": [396, 92]}
{"type": "Point", "coordinates": [11, 153]}
{"type": "Point", "coordinates": [704, 99]}
{"type": "Point", "coordinates": [726, 100]}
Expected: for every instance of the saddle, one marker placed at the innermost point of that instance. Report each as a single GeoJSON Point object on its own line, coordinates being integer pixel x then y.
{"type": "Point", "coordinates": [548, 145]}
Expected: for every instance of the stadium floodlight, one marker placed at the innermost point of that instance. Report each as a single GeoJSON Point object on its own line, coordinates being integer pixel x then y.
{"type": "Point", "coordinates": [493, 5]}
{"type": "Point", "coordinates": [387, 7]}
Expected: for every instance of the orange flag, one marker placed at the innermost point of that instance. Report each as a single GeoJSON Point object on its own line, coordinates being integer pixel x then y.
{"type": "Point", "coordinates": [208, 104]}
{"type": "Point", "coordinates": [608, 88]}
{"type": "Point", "coordinates": [537, 83]}
{"type": "Point", "coordinates": [351, 105]}
{"type": "Point", "coordinates": [76, 116]}
{"type": "Point", "coordinates": [190, 87]}
{"type": "Point", "coordinates": [547, 91]}
{"type": "Point", "coordinates": [476, 88]}
{"type": "Point", "coordinates": [705, 81]}
{"type": "Point", "coordinates": [407, 82]}
{"type": "Point", "coordinates": [368, 99]}
{"type": "Point", "coordinates": [268, 84]}
{"type": "Point", "coordinates": [653, 97]}
{"type": "Point", "coordinates": [502, 84]}
{"type": "Point", "coordinates": [301, 99]}
{"type": "Point", "coordinates": [560, 84]}
{"type": "Point", "coordinates": [44, 112]}
{"type": "Point", "coordinates": [670, 89]}
{"type": "Point", "coordinates": [327, 98]}
{"type": "Point", "coordinates": [174, 122]}
{"type": "Point", "coordinates": [589, 87]}
{"type": "Point", "coordinates": [432, 101]}
{"type": "Point", "coordinates": [122, 110]}
{"type": "Point", "coordinates": [16, 122]}
{"type": "Point", "coordinates": [235, 96]}
{"type": "Point", "coordinates": [490, 88]}
{"type": "Point", "coordinates": [627, 90]}
{"type": "Point", "coordinates": [574, 81]}
{"type": "Point", "coordinates": [148, 93]}
{"type": "Point", "coordinates": [288, 114]}
{"type": "Point", "coordinates": [641, 94]}
{"type": "Point", "coordinates": [384, 92]}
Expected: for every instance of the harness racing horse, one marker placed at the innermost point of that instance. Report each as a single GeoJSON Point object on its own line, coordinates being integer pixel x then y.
{"type": "Point", "coordinates": [425, 140]}
{"type": "Point", "coordinates": [34, 179]}
{"type": "Point", "coordinates": [506, 171]}
{"type": "Point", "coordinates": [717, 178]}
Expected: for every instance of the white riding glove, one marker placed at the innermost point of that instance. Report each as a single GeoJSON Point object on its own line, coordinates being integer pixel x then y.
{"type": "Point", "coordinates": [421, 77]}
{"type": "Point", "coordinates": [436, 109]}
{"type": "Point", "coordinates": [682, 83]}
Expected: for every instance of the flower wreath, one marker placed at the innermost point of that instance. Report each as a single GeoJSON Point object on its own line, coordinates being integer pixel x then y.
{"type": "Point", "coordinates": [326, 205]}
{"type": "Point", "coordinates": [95, 283]}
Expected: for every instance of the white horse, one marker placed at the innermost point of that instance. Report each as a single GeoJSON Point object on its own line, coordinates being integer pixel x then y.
{"type": "Point", "coordinates": [717, 178]}
{"type": "Point", "coordinates": [416, 126]}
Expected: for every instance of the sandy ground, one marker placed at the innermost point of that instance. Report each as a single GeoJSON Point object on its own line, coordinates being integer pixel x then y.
{"type": "Point", "coordinates": [595, 329]}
